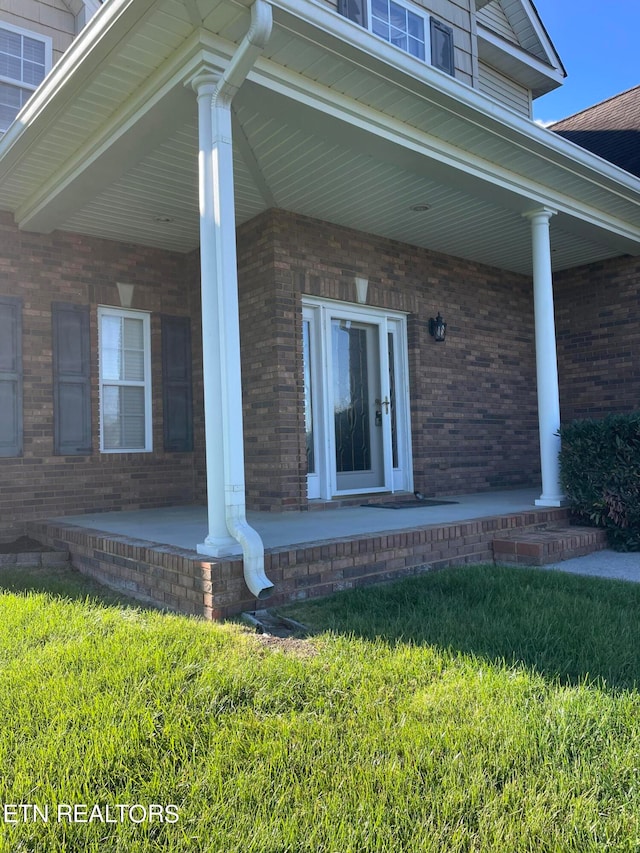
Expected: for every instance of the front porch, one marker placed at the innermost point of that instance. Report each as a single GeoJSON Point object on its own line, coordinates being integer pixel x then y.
{"type": "Point", "coordinates": [150, 554]}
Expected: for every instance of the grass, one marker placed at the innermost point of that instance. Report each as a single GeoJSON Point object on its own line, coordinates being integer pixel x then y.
{"type": "Point", "coordinates": [479, 709]}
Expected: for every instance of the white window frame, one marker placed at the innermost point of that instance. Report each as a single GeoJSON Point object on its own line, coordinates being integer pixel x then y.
{"type": "Point", "coordinates": [20, 84]}
{"type": "Point", "coordinates": [145, 316]}
{"type": "Point", "coordinates": [418, 12]}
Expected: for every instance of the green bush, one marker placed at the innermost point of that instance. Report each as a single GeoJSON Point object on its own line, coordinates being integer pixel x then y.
{"type": "Point", "coordinates": [600, 472]}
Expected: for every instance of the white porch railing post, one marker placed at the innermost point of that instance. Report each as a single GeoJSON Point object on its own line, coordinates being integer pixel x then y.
{"type": "Point", "coordinates": [546, 359]}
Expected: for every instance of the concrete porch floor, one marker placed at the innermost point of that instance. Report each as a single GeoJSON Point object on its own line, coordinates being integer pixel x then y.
{"type": "Point", "coordinates": [150, 554]}
{"type": "Point", "coordinates": [186, 526]}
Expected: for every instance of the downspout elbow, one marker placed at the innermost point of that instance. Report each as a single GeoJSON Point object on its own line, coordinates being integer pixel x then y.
{"type": "Point", "coordinates": [248, 51]}
{"type": "Point", "coordinates": [252, 552]}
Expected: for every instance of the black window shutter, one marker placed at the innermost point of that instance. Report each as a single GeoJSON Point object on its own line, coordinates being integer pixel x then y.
{"type": "Point", "coordinates": [71, 379]}
{"type": "Point", "coordinates": [355, 10]}
{"type": "Point", "coordinates": [177, 394]}
{"type": "Point", "coordinates": [10, 376]}
{"type": "Point", "coordinates": [442, 46]}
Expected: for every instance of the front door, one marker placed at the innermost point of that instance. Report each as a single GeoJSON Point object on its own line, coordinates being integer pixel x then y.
{"type": "Point", "coordinates": [356, 400]}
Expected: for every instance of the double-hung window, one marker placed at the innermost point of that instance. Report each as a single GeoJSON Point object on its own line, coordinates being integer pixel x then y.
{"type": "Point", "coordinates": [25, 58]}
{"type": "Point", "coordinates": [402, 27]}
{"type": "Point", "coordinates": [125, 380]}
{"type": "Point", "coordinates": [407, 26]}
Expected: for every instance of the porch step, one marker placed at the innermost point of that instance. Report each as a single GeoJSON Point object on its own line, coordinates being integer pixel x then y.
{"type": "Point", "coordinates": [549, 545]}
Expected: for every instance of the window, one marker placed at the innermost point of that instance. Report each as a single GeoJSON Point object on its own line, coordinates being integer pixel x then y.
{"type": "Point", "coordinates": [406, 26]}
{"type": "Point", "coordinates": [125, 380]}
{"type": "Point", "coordinates": [25, 58]}
{"type": "Point", "coordinates": [399, 25]}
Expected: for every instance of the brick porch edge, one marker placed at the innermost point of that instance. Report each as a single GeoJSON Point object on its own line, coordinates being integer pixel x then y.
{"type": "Point", "coordinates": [181, 580]}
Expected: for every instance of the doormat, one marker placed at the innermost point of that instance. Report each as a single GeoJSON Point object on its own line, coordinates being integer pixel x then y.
{"type": "Point", "coordinates": [412, 504]}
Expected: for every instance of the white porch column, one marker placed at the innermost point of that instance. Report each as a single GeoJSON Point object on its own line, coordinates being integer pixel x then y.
{"type": "Point", "coordinates": [229, 531]}
{"type": "Point", "coordinates": [219, 542]}
{"type": "Point", "coordinates": [546, 359]}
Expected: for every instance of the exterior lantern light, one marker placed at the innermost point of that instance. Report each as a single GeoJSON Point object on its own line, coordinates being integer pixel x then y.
{"type": "Point", "coordinates": [438, 328]}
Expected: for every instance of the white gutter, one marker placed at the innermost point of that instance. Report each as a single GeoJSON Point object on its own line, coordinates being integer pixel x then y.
{"type": "Point", "coordinates": [221, 263]}
{"type": "Point", "coordinates": [234, 75]}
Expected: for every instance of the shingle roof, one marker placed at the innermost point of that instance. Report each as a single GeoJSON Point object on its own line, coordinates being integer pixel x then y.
{"type": "Point", "coordinates": [610, 129]}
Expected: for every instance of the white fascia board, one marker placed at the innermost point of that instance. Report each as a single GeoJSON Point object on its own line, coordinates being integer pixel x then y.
{"type": "Point", "coordinates": [114, 21]}
{"type": "Point", "coordinates": [531, 66]}
{"type": "Point", "coordinates": [543, 37]}
{"type": "Point", "coordinates": [326, 28]}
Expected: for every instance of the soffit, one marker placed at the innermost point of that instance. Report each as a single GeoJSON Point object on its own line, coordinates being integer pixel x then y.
{"type": "Point", "coordinates": [319, 130]}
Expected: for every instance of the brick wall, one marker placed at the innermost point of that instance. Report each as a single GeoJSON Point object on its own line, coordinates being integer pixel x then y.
{"type": "Point", "coordinates": [598, 331]}
{"type": "Point", "coordinates": [473, 398]}
{"type": "Point", "coordinates": [474, 412]}
{"type": "Point", "coordinates": [70, 268]}
{"type": "Point", "coordinates": [271, 340]}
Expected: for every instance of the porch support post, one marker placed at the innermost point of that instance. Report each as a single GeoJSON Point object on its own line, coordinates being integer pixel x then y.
{"type": "Point", "coordinates": [219, 542]}
{"type": "Point", "coordinates": [224, 433]}
{"type": "Point", "coordinates": [546, 359]}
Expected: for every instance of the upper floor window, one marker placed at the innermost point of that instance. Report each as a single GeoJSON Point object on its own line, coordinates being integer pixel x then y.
{"type": "Point", "coordinates": [406, 26]}
{"type": "Point", "coordinates": [399, 25]}
{"type": "Point", "coordinates": [25, 58]}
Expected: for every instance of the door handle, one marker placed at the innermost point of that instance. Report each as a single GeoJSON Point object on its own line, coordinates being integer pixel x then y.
{"type": "Point", "coordinates": [386, 403]}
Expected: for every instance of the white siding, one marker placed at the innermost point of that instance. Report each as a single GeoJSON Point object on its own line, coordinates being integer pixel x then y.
{"type": "Point", "coordinates": [504, 90]}
{"type": "Point", "coordinates": [493, 17]}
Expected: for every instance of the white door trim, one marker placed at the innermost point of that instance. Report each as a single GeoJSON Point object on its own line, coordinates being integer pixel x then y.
{"type": "Point", "coordinates": [322, 483]}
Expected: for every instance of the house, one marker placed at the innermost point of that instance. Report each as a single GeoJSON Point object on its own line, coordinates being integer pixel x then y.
{"type": "Point", "coordinates": [229, 230]}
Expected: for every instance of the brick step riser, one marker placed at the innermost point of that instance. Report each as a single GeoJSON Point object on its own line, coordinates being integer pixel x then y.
{"type": "Point", "coordinates": [523, 549]}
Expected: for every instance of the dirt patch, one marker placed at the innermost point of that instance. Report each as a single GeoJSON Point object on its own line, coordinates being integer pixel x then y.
{"type": "Point", "coordinates": [290, 645]}
{"type": "Point", "coordinates": [23, 545]}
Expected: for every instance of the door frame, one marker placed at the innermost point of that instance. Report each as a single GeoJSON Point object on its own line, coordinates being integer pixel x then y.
{"type": "Point", "coordinates": [322, 483]}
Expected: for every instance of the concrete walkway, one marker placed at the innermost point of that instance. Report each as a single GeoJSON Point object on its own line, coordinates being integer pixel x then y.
{"type": "Point", "coordinates": [604, 564]}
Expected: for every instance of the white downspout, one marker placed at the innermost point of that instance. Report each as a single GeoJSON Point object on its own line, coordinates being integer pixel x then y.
{"type": "Point", "coordinates": [225, 260]}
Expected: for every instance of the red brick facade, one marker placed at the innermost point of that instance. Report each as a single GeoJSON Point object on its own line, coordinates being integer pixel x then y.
{"type": "Point", "coordinates": [473, 410]}
{"type": "Point", "coordinates": [473, 399]}
{"type": "Point", "coordinates": [598, 330]}
{"type": "Point", "coordinates": [69, 268]}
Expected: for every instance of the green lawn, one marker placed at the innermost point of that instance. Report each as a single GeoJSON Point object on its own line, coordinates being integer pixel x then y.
{"type": "Point", "coordinates": [479, 709]}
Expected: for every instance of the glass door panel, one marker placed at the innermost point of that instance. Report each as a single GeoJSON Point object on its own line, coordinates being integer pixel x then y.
{"type": "Point", "coordinates": [357, 415]}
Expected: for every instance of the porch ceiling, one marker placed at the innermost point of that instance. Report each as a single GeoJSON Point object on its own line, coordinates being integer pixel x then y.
{"type": "Point", "coordinates": [349, 132]}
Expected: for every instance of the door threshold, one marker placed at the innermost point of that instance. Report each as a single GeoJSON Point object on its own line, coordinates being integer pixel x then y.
{"type": "Point", "coordinates": [356, 500]}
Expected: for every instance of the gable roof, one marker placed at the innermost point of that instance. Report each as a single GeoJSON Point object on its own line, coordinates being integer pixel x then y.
{"type": "Point", "coordinates": [513, 40]}
{"type": "Point", "coordinates": [610, 129]}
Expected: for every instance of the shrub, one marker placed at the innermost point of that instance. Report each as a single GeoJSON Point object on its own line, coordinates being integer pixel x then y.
{"type": "Point", "coordinates": [600, 472]}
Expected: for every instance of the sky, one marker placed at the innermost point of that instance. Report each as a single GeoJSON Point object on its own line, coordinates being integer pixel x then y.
{"type": "Point", "coordinates": [599, 45]}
